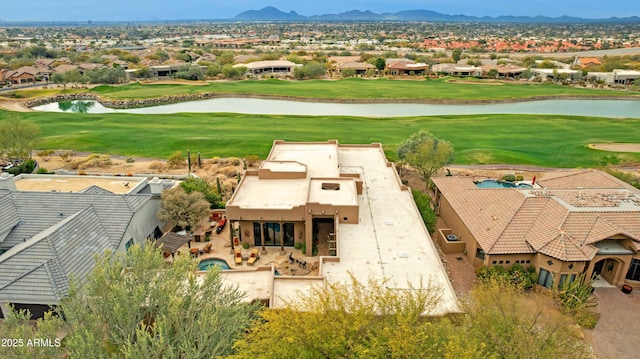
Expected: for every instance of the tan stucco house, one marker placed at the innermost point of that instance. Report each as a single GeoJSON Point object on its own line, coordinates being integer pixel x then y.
{"type": "Point", "coordinates": [568, 222]}
{"type": "Point", "coordinates": [347, 200]}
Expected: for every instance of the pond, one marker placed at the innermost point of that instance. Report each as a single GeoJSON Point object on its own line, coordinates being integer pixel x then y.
{"type": "Point", "coordinates": [598, 108]}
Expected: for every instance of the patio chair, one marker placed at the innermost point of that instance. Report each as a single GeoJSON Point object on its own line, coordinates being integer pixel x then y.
{"type": "Point", "coordinates": [238, 256]}
{"type": "Point", "coordinates": [253, 256]}
{"type": "Point", "coordinates": [207, 248]}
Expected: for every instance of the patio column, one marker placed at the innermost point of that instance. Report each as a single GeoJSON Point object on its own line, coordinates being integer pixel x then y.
{"type": "Point", "coordinates": [231, 238]}
{"type": "Point", "coordinates": [282, 252]}
{"type": "Point", "coordinates": [264, 250]}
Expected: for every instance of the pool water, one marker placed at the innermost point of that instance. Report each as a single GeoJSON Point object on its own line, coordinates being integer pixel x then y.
{"type": "Point", "coordinates": [208, 264]}
{"type": "Point", "coordinates": [501, 184]}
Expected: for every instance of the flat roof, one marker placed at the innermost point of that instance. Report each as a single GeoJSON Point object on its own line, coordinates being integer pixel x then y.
{"type": "Point", "coordinates": [284, 166]}
{"type": "Point", "coordinates": [321, 158]}
{"type": "Point", "coordinates": [391, 241]}
{"type": "Point", "coordinates": [342, 192]}
{"type": "Point", "coordinates": [65, 183]}
{"type": "Point", "coordinates": [269, 194]}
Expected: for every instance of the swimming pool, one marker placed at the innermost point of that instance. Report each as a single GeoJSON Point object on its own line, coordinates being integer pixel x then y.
{"type": "Point", "coordinates": [501, 184]}
{"type": "Point", "coordinates": [207, 264]}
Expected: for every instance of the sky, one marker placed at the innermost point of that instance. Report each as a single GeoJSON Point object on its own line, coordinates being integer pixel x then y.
{"type": "Point", "coordinates": [144, 10]}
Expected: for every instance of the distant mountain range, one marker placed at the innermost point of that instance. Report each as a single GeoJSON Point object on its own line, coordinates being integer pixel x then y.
{"type": "Point", "coordinates": [270, 13]}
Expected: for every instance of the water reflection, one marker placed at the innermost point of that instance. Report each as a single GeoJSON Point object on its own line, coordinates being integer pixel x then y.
{"type": "Point", "coordinates": [76, 106]}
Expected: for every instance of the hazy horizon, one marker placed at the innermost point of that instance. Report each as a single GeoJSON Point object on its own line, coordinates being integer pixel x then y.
{"type": "Point", "coordinates": [150, 10]}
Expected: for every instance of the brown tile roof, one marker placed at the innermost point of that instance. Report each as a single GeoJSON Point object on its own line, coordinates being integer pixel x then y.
{"type": "Point", "coordinates": [357, 66]}
{"type": "Point", "coordinates": [485, 212]}
{"type": "Point", "coordinates": [509, 221]}
{"type": "Point", "coordinates": [581, 179]}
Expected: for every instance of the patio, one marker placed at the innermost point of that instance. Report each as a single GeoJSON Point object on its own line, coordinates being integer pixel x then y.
{"type": "Point", "coordinates": [221, 249]}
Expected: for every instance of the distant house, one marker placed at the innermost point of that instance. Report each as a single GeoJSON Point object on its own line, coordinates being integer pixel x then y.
{"type": "Point", "coordinates": [457, 70]}
{"type": "Point", "coordinates": [553, 74]}
{"type": "Point", "coordinates": [48, 236]}
{"type": "Point", "coordinates": [564, 224]}
{"type": "Point", "coordinates": [360, 68]}
{"type": "Point", "coordinates": [63, 68]}
{"type": "Point", "coordinates": [587, 62]}
{"type": "Point", "coordinates": [406, 67]}
{"type": "Point", "coordinates": [27, 74]}
{"type": "Point", "coordinates": [504, 71]}
{"type": "Point", "coordinates": [88, 66]}
{"type": "Point", "coordinates": [281, 67]}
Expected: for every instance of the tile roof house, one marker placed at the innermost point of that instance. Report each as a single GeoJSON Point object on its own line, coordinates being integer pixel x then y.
{"type": "Point", "coordinates": [48, 237]}
{"type": "Point", "coordinates": [406, 67]}
{"type": "Point", "coordinates": [568, 223]}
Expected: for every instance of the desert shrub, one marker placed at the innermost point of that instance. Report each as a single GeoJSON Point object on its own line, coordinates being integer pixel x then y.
{"type": "Point", "coordinates": [214, 160]}
{"type": "Point", "coordinates": [67, 156]}
{"type": "Point", "coordinates": [156, 165]}
{"type": "Point", "coordinates": [130, 160]}
{"type": "Point", "coordinates": [251, 160]}
{"type": "Point", "coordinates": [245, 245]}
{"type": "Point", "coordinates": [25, 167]}
{"type": "Point", "coordinates": [297, 245]}
{"type": "Point", "coordinates": [509, 177]}
{"type": "Point", "coordinates": [177, 159]}
{"type": "Point", "coordinates": [423, 202]}
{"type": "Point", "coordinates": [235, 161]}
{"type": "Point", "coordinates": [575, 295]}
{"type": "Point", "coordinates": [43, 171]}
{"type": "Point", "coordinates": [519, 178]}
{"type": "Point", "coordinates": [586, 318]}
{"type": "Point", "coordinates": [516, 275]}
{"type": "Point", "coordinates": [229, 171]}
{"type": "Point", "coordinates": [630, 178]}
{"type": "Point", "coordinates": [45, 155]}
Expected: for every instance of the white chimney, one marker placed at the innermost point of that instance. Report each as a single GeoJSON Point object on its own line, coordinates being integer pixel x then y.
{"type": "Point", "coordinates": [156, 186]}
{"type": "Point", "coordinates": [8, 182]}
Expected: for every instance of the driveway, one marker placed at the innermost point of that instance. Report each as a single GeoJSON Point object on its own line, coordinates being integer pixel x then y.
{"type": "Point", "coordinates": [616, 334]}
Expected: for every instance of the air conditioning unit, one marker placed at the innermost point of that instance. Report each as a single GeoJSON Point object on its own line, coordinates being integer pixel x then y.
{"type": "Point", "coordinates": [452, 237]}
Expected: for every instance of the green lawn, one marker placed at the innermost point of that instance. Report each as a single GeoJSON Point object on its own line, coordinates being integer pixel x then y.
{"type": "Point", "coordinates": [362, 89]}
{"type": "Point", "coordinates": [554, 141]}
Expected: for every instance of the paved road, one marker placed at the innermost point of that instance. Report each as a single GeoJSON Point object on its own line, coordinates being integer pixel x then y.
{"type": "Point", "coordinates": [616, 336]}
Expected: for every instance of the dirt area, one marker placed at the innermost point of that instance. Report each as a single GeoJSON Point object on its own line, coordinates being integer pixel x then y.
{"type": "Point", "coordinates": [226, 169]}
{"type": "Point", "coordinates": [13, 105]}
{"type": "Point", "coordinates": [616, 147]}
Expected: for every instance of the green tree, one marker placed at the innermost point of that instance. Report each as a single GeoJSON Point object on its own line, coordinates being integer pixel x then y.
{"type": "Point", "coordinates": [493, 73]}
{"type": "Point", "coordinates": [133, 305]}
{"type": "Point", "coordinates": [456, 55]}
{"type": "Point", "coordinates": [185, 210]}
{"type": "Point", "coordinates": [18, 138]}
{"type": "Point", "coordinates": [73, 76]}
{"type": "Point", "coordinates": [426, 153]}
{"type": "Point", "coordinates": [348, 73]}
{"type": "Point", "coordinates": [380, 64]}
{"type": "Point", "coordinates": [195, 184]}
{"type": "Point", "coordinates": [58, 79]}
{"type": "Point", "coordinates": [312, 70]}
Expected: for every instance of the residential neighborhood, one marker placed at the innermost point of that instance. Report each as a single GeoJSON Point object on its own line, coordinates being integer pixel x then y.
{"type": "Point", "coordinates": [137, 219]}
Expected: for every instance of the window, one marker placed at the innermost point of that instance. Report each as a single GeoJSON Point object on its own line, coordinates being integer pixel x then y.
{"type": "Point", "coordinates": [479, 253]}
{"type": "Point", "coordinates": [545, 278]}
{"type": "Point", "coordinates": [128, 244]}
{"type": "Point", "coordinates": [528, 260]}
{"type": "Point", "coordinates": [564, 278]}
{"type": "Point", "coordinates": [508, 262]}
{"type": "Point", "coordinates": [273, 234]}
{"type": "Point", "coordinates": [494, 262]}
{"type": "Point", "coordinates": [634, 270]}
{"type": "Point", "coordinates": [501, 262]}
